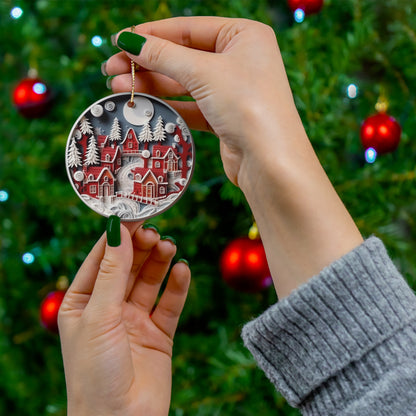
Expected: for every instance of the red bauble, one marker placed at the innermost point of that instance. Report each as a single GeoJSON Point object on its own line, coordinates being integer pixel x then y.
{"type": "Point", "coordinates": [49, 310]}
{"type": "Point", "coordinates": [244, 266]}
{"type": "Point", "coordinates": [32, 97]}
{"type": "Point", "coordinates": [381, 132]}
{"type": "Point", "coordinates": [308, 6]}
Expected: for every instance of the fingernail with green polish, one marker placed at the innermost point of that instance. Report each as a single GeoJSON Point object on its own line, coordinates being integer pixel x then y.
{"type": "Point", "coordinates": [184, 261]}
{"type": "Point", "coordinates": [131, 42]}
{"type": "Point", "coordinates": [114, 39]}
{"type": "Point", "coordinates": [168, 238]}
{"type": "Point", "coordinates": [108, 82]}
{"type": "Point", "coordinates": [113, 231]}
{"type": "Point", "coordinates": [104, 69]}
{"type": "Point", "coordinates": [150, 227]}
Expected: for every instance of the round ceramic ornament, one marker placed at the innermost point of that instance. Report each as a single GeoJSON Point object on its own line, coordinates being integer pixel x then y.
{"type": "Point", "coordinates": [130, 155]}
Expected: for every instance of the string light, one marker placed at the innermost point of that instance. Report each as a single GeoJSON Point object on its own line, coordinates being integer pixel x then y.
{"type": "Point", "coordinates": [39, 88]}
{"type": "Point", "coordinates": [299, 15]}
{"type": "Point", "coordinates": [16, 13]}
{"type": "Point", "coordinates": [28, 258]}
{"type": "Point", "coordinates": [352, 91]}
{"type": "Point", "coordinates": [370, 155]}
{"type": "Point", "coordinates": [4, 195]}
{"type": "Point", "coordinates": [97, 41]}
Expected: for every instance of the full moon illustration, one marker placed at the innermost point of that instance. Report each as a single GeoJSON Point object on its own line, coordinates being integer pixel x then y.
{"type": "Point", "coordinates": [141, 113]}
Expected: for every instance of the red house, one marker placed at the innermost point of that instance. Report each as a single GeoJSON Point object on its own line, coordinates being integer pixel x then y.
{"type": "Point", "coordinates": [150, 183]}
{"type": "Point", "coordinates": [102, 141]}
{"type": "Point", "coordinates": [130, 144]}
{"type": "Point", "coordinates": [165, 158]}
{"type": "Point", "coordinates": [99, 182]}
{"type": "Point", "coordinates": [111, 158]}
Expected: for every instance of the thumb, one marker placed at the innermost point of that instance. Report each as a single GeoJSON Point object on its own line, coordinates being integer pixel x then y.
{"type": "Point", "coordinates": [113, 274]}
{"type": "Point", "coordinates": [180, 63]}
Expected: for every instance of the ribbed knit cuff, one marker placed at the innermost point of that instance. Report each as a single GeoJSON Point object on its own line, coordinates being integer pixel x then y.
{"type": "Point", "coordinates": [338, 332]}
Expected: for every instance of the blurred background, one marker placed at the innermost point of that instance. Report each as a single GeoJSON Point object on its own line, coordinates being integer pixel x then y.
{"type": "Point", "coordinates": [347, 61]}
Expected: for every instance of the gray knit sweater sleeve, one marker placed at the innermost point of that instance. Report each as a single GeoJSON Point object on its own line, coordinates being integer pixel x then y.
{"type": "Point", "coordinates": [345, 342]}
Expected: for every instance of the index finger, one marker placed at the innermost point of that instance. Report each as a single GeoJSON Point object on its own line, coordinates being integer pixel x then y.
{"type": "Point", "coordinates": [197, 32]}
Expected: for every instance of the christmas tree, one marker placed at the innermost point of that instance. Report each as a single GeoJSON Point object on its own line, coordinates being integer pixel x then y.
{"type": "Point", "coordinates": [341, 61]}
{"type": "Point", "coordinates": [159, 134]}
{"type": "Point", "coordinates": [146, 134]}
{"type": "Point", "coordinates": [74, 155]}
{"type": "Point", "coordinates": [115, 133]}
{"type": "Point", "coordinates": [92, 156]}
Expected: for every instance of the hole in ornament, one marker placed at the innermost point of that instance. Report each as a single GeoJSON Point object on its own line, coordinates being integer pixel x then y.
{"type": "Point", "coordinates": [131, 104]}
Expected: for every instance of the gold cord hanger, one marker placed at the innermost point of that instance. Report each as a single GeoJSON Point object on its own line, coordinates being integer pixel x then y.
{"type": "Point", "coordinates": [133, 78]}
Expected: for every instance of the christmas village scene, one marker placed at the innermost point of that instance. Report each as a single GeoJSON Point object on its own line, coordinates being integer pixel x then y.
{"type": "Point", "coordinates": [130, 160]}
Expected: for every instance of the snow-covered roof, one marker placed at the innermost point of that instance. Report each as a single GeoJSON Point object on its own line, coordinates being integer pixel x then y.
{"type": "Point", "coordinates": [144, 172]}
{"type": "Point", "coordinates": [97, 172]}
{"type": "Point", "coordinates": [130, 130]}
{"type": "Point", "coordinates": [102, 140]}
{"type": "Point", "coordinates": [112, 151]}
{"type": "Point", "coordinates": [164, 150]}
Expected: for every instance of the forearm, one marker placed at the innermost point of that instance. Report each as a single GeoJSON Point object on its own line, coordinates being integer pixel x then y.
{"type": "Point", "coordinates": [343, 343]}
{"type": "Point", "coordinates": [303, 223]}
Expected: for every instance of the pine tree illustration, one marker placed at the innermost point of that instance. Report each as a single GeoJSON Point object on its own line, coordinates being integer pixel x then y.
{"type": "Point", "coordinates": [74, 155]}
{"type": "Point", "coordinates": [146, 135]}
{"type": "Point", "coordinates": [115, 133]}
{"type": "Point", "coordinates": [85, 126]}
{"type": "Point", "coordinates": [159, 134]}
{"type": "Point", "coordinates": [93, 156]}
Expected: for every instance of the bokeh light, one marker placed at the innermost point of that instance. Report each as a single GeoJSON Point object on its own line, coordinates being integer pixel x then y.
{"type": "Point", "coordinates": [16, 13]}
{"type": "Point", "coordinates": [370, 155]}
{"type": "Point", "coordinates": [299, 15]}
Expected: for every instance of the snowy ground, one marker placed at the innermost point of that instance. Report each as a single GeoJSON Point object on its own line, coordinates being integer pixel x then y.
{"type": "Point", "coordinates": [128, 209]}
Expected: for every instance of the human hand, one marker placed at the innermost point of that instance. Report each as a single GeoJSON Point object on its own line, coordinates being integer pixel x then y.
{"type": "Point", "coordinates": [117, 350]}
{"type": "Point", "coordinates": [234, 71]}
